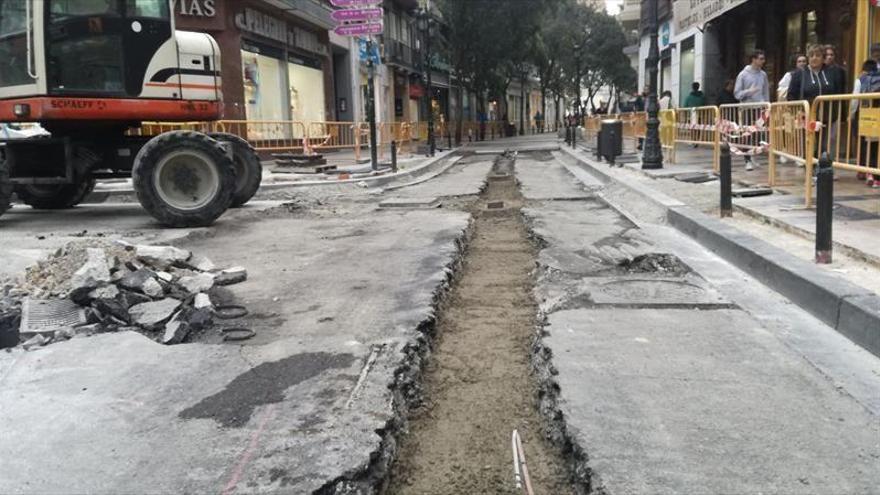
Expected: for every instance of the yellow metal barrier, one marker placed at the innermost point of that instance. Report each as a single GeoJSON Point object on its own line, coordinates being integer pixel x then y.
{"type": "Point", "coordinates": [591, 124]}
{"type": "Point", "coordinates": [788, 134]}
{"type": "Point", "coordinates": [847, 127]}
{"type": "Point", "coordinates": [268, 135]}
{"type": "Point", "coordinates": [335, 136]}
{"type": "Point", "coordinates": [744, 126]}
{"type": "Point", "coordinates": [699, 126]}
{"type": "Point", "coordinates": [667, 133]}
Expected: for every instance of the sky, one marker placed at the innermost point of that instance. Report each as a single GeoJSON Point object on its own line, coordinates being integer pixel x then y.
{"type": "Point", "coordinates": [613, 6]}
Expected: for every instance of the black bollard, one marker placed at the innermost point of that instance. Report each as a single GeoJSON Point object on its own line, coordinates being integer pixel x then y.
{"type": "Point", "coordinates": [726, 181]}
{"type": "Point", "coordinates": [567, 135]}
{"type": "Point", "coordinates": [394, 156]}
{"type": "Point", "coordinates": [824, 209]}
{"type": "Point", "coordinates": [574, 132]}
{"type": "Point", "coordinates": [449, 139]}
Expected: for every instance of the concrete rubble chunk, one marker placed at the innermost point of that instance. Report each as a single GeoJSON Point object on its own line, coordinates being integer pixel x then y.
{"type": "Point", "coordinates": [197, 283]}
{"type": "Point", "coordinates": [108, 291]}
{"type": "Point", "coordinates": [65, 333]}
{"type": "Point", "coordinates": [36, 341]}
{"type": "Point", "coordinates": [175, 331]}
{"type": "Point", "coordinates": [152, 315]}
{"type": "Point", "coordinates": [136, 280]}
{"type": "Point", "coordinates": [93, 272]}
{"type": "Point", "coordinates": [202, 301]}
{"type": "Point", "coordinates": [231, 276]}
{"type": "Point", "coordinates": [162, 255]}
{"type": "Point", "coordinates": [165, 276]}
{"type": "Point", "coordinates": [153, 288]}
{"type": "Point", "coordinates": [201, 263]}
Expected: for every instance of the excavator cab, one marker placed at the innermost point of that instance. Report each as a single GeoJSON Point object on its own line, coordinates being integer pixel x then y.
{"type": "Point", "coordinates": [91, 72]}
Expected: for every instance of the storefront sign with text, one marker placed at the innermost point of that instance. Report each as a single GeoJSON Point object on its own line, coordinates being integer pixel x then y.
{"type": "Point", "coordinates": [195, 8]}
{"type": "Point", "coordinates": [691, 13]}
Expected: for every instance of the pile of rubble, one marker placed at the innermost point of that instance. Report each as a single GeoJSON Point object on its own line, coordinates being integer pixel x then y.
{"type": "Point", "coordinates": [163, 292]}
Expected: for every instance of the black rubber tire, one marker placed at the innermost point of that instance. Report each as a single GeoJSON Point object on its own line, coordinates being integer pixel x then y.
{"type": "Point", "coordinates": [248, 169]}
{"type": "Point", "coordinates": [55, 197]}
{"type": "Point", "coordinates": [145, 166]}
{"type": "Point", "coordinates": [5, 185]}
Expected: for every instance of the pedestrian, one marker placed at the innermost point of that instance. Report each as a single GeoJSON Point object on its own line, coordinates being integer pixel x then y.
{"type": "Point", "coordinates": [726, 96]}
{"type": "Point", "coordinates": [695, 98]}
{"type": "Point", "coordinates": [752, 86]}
{"type": "Point", "coordinates": [868, 82]}
{"type": "Point", "coordinates": [666, 101]}
{"type": "Point", "coordinates": [836, 74]}
{"type": "Point", "coordinates": [800, 61]}
{"type": "Point", "coordinates": [639, 103]}
{"type": "Point", "coordinates": [811, 83]}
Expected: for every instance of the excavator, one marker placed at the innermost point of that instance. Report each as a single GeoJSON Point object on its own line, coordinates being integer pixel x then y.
{"type": "Point", "coordinates": [91, 73]}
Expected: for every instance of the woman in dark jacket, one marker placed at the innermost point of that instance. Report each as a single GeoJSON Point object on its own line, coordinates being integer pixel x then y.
{"type": "Point", "coordinates": [812, 81]}
{"type": "Point", "coordinates": [726, 97]}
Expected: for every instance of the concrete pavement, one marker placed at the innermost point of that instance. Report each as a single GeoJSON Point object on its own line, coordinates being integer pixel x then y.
{"type": "Point", "coordinates": [704, 393]}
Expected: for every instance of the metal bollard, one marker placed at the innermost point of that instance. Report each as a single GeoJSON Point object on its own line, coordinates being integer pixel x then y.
{"type": "Point", "coordinates": [394, 156]}
{"type": "Point", "coordinates": [824, 209]}
{"type": "Point", "coordinates": [449, 139]}
{"type": "Point", "coordinates": [726, 181]}
{"type": "Point", "coordinates": [574, 131]}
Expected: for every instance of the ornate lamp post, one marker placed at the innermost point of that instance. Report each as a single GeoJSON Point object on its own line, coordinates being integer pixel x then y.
{"type": "Point", "coordinates": [424, 16]}
{"type": "Point", "coordinates": [652, 157]}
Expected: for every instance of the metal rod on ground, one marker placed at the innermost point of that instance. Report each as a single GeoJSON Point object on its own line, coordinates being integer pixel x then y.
{"type": "Point", "coordinates": [824, 209]}
{"type": "Point", "coordinates": [371, 106]}
{"type": "Point", "coordinates": [394, 156]}
{"type": "Point", "coordinates": [726, 182]}
{"type": "Point", "coordinates": [521, 469]}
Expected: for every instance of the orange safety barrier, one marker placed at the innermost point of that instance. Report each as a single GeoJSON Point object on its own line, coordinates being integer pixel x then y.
{"type": "Point", "coordinates": [847, 127]}
{"type": "Point", "coordinates": [698, 126]}
{"type": "Point", "coordinates": [788, 134]}
{"type": "Point", "coordinates": [268, 135]}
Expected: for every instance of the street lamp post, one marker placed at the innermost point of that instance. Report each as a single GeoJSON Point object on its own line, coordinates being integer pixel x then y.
{"type": "Point", "coordinates": [425, 16]}
{"type": "Point", "coordinates": [577, 70]}
{"type": "Point", "coordinates": [652, 157]}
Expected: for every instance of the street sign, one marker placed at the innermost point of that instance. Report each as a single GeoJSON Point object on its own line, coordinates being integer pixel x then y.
{"type": "Point", "coordinates": [355, 3]}
{"type": "Point", "coordinates": [348, 15]}
{"type": "Point", "coordinates": [362, 29]}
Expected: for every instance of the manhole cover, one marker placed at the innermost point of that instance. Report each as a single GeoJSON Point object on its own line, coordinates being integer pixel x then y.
{"type": "Point", "coordinates": [48, 315]}
{"type": "Point", "coordinates": [495, 205]}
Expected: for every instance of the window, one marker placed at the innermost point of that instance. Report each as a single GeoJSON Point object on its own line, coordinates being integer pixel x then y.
{"type": "Point", "coordinates": [13, 44]}
{"type": "Point", "coordinates": [157, 9]}
{"type": "Point", "coordinates": [63, 9]}
{"type": "Point", "coordinates": [12, 17]}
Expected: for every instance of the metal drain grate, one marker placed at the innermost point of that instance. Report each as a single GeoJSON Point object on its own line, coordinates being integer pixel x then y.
{"type": "Point", "coordinates": [48, 315]}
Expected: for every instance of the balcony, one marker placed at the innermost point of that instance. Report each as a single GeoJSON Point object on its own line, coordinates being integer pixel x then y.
{"type": "Point", "coordinates": [396, 53]}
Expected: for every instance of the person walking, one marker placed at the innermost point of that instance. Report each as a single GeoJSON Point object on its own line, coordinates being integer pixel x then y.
{"type": "Point", "coordinates": [696, 98]}
{"type": "Point", "coordinates": [752, 86]}
{"type": "Point", "coordinates": [868, 82]}
{"type": "Point", "coordinates": [666, 101]}
{"type": "Point", "coordinates": [800, 62]}
{"type": "Point", "coordinates": [726, 96]}
{"type": "Point", "coordinates": [836, 74]}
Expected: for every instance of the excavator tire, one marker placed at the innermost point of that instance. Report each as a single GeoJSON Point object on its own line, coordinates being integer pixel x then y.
{"type": "Point", "coordinates": [248, 169]}
{"type": "Point", "coordinates": [55, 197]}
{"type": "Point", "coordinates": [184, 179]}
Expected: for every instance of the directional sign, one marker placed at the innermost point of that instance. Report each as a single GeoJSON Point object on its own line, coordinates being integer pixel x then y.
{"type": "Point", "coordinates": [355, 3]}
{"type": "Point", "coordinates": [362, 29]}
{"type": "Point", "coordinates": [357, 14]}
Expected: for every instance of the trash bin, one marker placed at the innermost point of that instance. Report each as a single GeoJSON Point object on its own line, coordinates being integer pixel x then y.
{"type": "Point", "coordinates": [611, 139]}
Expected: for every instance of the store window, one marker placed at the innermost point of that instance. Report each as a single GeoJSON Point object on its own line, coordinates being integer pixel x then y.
{"type": "Point", "coordinates": [263, 93]}
{"type": "Point", "coordinates": [306, 86]}
{"type": "Point", "coordinates": [13, 44]}
{"type": "Point", "coordinates": [800, 33]}
{"type": "Point", "coordinates": [686, 69]}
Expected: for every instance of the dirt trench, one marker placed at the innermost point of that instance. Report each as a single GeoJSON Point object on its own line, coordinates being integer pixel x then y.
{"type": "Point", "coordinates": [477, 384]}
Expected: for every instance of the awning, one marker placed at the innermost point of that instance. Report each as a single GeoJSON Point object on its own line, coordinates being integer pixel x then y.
{"type": "Point", "coordinates": [695, 13]}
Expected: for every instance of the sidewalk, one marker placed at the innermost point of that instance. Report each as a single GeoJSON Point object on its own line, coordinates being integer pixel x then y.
{"type": "Point", "coordinates": [856, 213]}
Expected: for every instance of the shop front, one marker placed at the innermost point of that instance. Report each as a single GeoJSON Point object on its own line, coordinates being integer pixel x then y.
{"type": "Point", "coordinates": [275, 67]}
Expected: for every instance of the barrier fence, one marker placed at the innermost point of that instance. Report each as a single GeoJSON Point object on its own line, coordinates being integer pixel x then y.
{"type": "Point", "coordinates": [788, 134]}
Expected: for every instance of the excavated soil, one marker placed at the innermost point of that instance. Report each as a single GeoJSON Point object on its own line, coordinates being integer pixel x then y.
{"type": "Point", "coordinates": [478, 386]}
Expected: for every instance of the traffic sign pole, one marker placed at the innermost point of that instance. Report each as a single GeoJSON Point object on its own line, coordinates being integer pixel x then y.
{"type": "Point", "coordinates": [371, 106]}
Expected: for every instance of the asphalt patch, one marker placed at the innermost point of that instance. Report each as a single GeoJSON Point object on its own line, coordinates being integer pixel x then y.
{"type": "Point", "coordinates": [265, 384]}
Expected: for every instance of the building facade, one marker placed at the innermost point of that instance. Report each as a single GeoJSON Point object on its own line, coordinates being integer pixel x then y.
{"type": "Point", "coordinates": [710, 41]}
{"type": "Point", "coordinates": [278, 62]}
